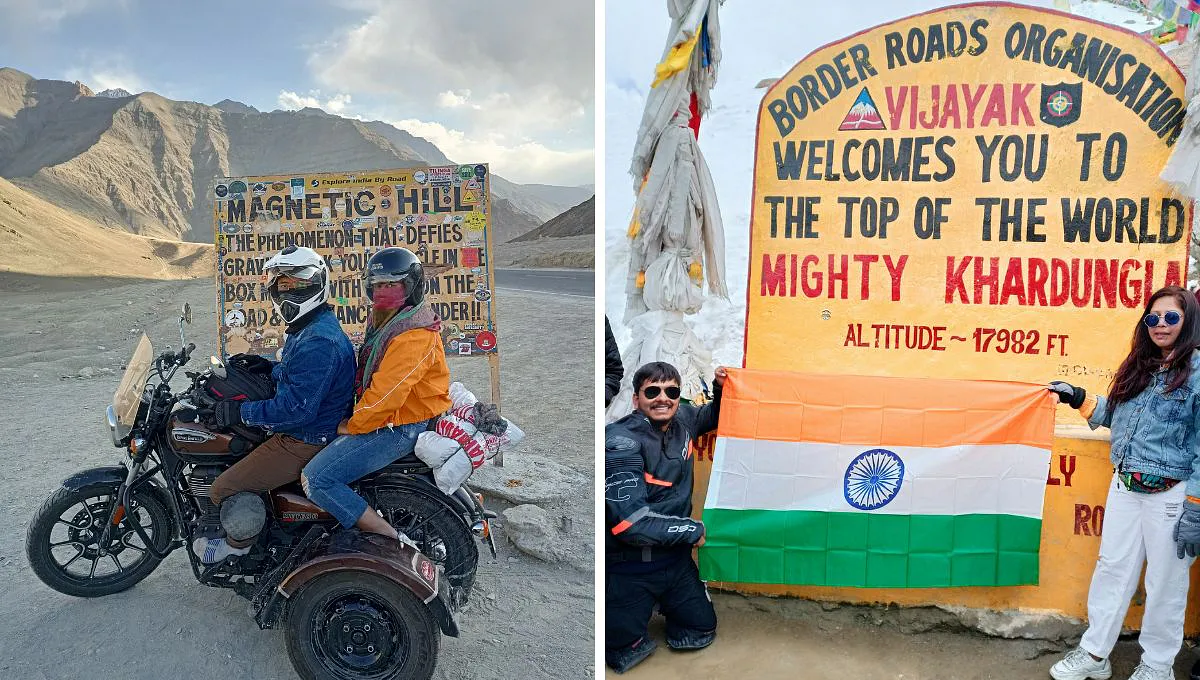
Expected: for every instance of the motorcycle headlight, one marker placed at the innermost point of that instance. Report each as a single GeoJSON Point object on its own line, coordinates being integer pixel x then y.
{"type": "Point", "coordinates": [118, 431]}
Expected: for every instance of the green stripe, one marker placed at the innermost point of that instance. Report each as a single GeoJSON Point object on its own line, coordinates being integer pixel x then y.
{"type": "Point", "coordinates": [803, 547]}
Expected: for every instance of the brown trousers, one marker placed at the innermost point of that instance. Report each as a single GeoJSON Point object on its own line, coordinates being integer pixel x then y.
{"type": "Point", "coordinates": [274, 463]}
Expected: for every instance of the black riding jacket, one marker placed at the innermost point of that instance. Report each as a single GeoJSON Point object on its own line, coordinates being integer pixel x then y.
{"type": "Point", "coordinates": [613, 368]}
{"type": "Point", "coordinates": [648, 482]}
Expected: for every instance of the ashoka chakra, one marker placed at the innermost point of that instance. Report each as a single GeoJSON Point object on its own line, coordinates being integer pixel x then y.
{"type": "Point", "coordinates": [873, 479]}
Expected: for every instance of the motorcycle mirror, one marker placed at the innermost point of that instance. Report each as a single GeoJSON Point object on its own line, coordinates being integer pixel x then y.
{"type": "Point", "coordinates": [218, 368]}
{"type": "Point", "coordinates": [187, 313]}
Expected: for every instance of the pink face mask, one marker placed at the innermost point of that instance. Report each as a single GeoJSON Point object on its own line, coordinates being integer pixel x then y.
{"type": "Point", "coordinates": [389, 297]}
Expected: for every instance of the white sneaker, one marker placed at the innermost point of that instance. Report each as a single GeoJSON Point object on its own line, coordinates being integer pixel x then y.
{"type": "Point", "coordinates": [213, 550]}
{"type": "Point", "coordinates": [1144, 672]}
{"type": "Point", "coordinates": [1079, 665]}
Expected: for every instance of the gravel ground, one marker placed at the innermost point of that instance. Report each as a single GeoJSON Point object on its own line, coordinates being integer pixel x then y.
{"type": "Point", "coordinates": [771, 638]}
{"type": "Point", "coordinates": [63, 343]}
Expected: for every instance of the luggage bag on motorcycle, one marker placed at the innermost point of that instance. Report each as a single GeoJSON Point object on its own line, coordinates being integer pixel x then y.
{"type": "Point", "coordinates": [247, 378]}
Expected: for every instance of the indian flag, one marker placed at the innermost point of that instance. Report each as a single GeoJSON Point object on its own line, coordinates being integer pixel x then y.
{"type": "Point", "coordinates": [877, 482]}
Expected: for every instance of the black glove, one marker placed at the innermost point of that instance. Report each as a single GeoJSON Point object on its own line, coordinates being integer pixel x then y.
{"type": "Point", "coordinates": [487, 419]}
{"type": "Point", "coordinates": [1187, 531]}
{"type": "Point", "coordinates": [227, 413]}
{"type": "Point", "coordinates": [1068, 393]}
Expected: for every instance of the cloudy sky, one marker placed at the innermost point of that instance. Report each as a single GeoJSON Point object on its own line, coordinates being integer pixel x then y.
{"type": "Point", "coordinates": [509, 83]}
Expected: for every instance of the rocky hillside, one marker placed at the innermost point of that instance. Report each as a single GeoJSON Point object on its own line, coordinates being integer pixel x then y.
{"type": "Point", "coordinates": [45, 240]}
{"type": "Point", "coordinates": [144, 164]}
{"type": "Point", "coordinates": [578, 221]}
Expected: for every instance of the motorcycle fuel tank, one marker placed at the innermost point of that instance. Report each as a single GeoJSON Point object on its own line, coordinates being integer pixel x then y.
{"type": "Point", "coordinates": [195, 439]}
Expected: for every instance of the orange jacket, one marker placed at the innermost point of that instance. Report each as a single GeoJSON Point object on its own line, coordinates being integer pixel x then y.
{"type": "Point", "coordinates": [411, 384]}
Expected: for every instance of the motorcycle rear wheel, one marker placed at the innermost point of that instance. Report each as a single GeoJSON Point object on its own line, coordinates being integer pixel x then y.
{"type": "Point", "coordinates": [352, 625]}
{"type": "Point", "coordinates": [440, 534]}
{"type": "Point", "coordinates": [78, 541]}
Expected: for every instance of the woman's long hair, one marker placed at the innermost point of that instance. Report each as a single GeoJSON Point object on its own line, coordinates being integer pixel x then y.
{"type": "Point", "coordinates": [1145, 357]}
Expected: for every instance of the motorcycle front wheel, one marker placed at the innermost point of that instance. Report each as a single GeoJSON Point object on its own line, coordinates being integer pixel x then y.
{"type": "Point", "coordinates": [354, 625]}
{"type": "Point", "coordinates": [63, 541]}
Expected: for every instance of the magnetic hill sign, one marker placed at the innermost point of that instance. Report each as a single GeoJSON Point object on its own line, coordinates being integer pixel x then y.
{"type": "Point", "coordinates": [440, 213]}
{"type": "Point", "coordinates": [967, 193]}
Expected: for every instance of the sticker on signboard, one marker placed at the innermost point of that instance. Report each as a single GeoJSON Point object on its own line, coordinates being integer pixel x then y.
{"type": "Point", "coordinates": [485, 340]}
{"type": "Point", "coordinates": [235, 318]}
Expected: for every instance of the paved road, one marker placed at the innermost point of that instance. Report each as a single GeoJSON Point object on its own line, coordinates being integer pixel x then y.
{"type": "Point", "coordinates": [570, 282]}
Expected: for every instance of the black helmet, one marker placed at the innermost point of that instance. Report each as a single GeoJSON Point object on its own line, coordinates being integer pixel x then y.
{"type": "Point", "coordinates": [397, 264]}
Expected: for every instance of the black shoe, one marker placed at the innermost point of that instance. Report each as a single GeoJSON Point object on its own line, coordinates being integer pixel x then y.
{"type": "Point", "coordinates": [692, 640]}
{"type": "Point", "coordinates": [630, 656]}
{"type": "Point", "coordinates": [1195, 674]}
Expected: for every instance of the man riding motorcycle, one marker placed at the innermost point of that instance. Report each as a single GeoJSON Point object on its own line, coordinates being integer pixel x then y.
{"type": "Point", "coordinates": [314, 382]}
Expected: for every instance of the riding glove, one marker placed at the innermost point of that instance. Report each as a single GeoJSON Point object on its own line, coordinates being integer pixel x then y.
{"type": "Point", "coordinates": [1187, 531]}
{"type": "Point", "coordinates": [227, 413]}
{"type": "Point", "coordinates": [1068, 393]}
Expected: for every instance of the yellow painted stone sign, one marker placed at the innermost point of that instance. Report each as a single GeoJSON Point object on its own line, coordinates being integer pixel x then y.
{"type": "Point", "coordinates": [970, 193]}
{"type": "Point", "coordinates": [967, 193]}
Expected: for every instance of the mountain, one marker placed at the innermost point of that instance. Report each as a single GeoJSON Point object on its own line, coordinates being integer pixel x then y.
{"type": "Point", "coordinates": [46, 240]}
{"type": "Point", "coordinates": [114, 93]}
{"type": "Point", "coordinates": [145, 164]}
{"type": "Point", "coordinates": [577, 221]}
{"type": "Point", "coordinates": [230, 106]}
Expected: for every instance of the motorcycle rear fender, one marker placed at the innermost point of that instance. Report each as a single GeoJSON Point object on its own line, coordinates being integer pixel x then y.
{"type": "Point", "coordinates": [397, 562]}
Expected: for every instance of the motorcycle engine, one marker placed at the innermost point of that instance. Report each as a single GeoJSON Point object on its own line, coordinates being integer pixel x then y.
{"type": "Point", "coordinates": [199, 481]}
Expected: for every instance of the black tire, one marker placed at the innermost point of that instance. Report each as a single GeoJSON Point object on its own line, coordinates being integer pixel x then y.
{"type": "Point", "coordinates": [94, 501]}
{"type": "Point", "coordinates": [434, 527]}
{"type": "Point", "coordinates": [330, 612]}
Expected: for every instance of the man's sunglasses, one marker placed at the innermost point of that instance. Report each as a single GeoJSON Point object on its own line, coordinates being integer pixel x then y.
{"type": "Point", "coordinates": [653, 391]}
{"type": "Point", "coordinates": [1172, 318]}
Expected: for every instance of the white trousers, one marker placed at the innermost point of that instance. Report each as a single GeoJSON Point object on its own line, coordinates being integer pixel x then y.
{"type": "Point", "coordinates": [1138, 529]}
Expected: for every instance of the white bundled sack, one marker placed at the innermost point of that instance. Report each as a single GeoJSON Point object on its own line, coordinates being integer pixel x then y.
{"type": "Point", "coordinates": [455, 447]}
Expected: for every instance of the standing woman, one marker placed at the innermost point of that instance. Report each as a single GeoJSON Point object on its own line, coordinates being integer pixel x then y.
{"type": "Point", "coordinates": [402, 382]}
{"type": "Point", "coordinates": [1152, 515]}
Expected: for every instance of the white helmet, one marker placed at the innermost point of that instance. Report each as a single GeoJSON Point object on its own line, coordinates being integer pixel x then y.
{"type": "Point", "coordinates": [297, 300]}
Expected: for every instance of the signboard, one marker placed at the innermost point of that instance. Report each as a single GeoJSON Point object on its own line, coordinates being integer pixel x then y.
{"type": "Point", "coordinates": [440, 213]}
{"type": "Point", "coordinates": [967, 193]}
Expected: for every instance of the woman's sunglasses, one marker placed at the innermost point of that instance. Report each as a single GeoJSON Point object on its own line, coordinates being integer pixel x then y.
{"type": "Point", "coordinates": [653, 391]}
{"type": "Point", "coordinates": [1172, 318]}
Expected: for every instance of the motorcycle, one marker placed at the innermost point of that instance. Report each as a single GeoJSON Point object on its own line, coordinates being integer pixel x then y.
{"type": "Point", "coordinates": [353, 604]}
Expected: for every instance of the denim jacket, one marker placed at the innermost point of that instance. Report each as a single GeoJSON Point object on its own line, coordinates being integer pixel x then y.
{"type": "Point", "coordinates": [314, 383]}
{"type": "Point", "coordinates": [1156, 432]}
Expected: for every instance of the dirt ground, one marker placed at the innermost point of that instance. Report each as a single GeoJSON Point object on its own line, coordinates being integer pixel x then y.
{"type": "Point", "coordinates": [63, 343]}
{"type": "Point", "coordinates": [769, 638]}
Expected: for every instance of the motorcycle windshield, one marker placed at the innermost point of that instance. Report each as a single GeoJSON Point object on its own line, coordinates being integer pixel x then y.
{"type": "Point", "coordinates": [128, 396]}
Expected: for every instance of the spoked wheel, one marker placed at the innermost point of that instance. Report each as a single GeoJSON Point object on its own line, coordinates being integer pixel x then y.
{"type": "Point", "coordinates": [63, 542]}
{"type": "Point", "coordinates": [359, 626]}
{"type": "Point", "coordinates": [440, 535]}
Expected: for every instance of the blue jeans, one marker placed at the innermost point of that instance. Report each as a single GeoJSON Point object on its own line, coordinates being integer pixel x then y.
{"type": "Point", "coordinates": [327, 476]}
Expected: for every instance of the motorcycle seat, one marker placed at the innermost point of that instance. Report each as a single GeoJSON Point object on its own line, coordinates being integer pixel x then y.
{"type": "Point", "coordinates": [409, 465]}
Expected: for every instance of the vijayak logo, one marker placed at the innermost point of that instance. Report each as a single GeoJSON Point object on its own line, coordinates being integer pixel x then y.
{"type": "Point", "coordinates": [1061, 104]}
